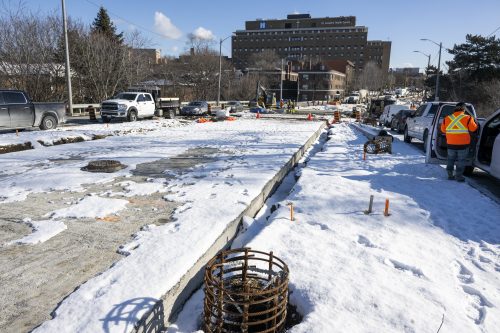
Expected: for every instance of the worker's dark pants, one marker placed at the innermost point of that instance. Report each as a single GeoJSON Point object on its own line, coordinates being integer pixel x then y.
{"type": "Point", "coordinates": [458, 155]}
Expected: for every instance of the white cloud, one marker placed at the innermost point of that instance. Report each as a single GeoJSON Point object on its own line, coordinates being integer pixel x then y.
{"type": "Point", "coordinates": [175, 49]}
{"type": "Point", "coordinates": [202, 33]}
{"type": "Point", "coordinates": [165, 27]}
{"type": "Point", "coordinates": [407, 64]}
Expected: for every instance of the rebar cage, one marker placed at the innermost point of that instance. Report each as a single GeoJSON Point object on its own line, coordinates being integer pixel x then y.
{"type": "Point", "coordinates": [245, 291]}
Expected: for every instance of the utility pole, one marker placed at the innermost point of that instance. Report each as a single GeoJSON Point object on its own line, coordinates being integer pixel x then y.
{"type": "Point", "coordinates": [439, 66]}
{"type": "Point", "coordinates": [428, 65]}
{"type": "Point", "coordinates": [439, 69]}
{"type": "Point", "coordinates": [220, 66]}
{"type": "Point", "coordinates": [281, 81]}
{"type": "Point", "coordinates": [68, 69]}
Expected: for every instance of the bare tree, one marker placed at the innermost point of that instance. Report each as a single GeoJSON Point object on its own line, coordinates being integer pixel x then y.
{"type": "Point", "coordinates": [199, 45]}
{"type": "Point", "coordinates": [28, 45]}
{"type": "Point", "coordinates": [371, 77]}
{"type": "Point", "coordinates": [265, 60]}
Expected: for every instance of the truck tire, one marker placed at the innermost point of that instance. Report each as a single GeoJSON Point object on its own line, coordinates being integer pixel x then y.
{"type": "Point", "coordinates": [106, 119]}
{"type": "Point", "coordinates": [48, 122]}
{"type": "Point", "coordinates": [132, 115]}
{"type": "Point", "coordinates": [407, 138]}
{"type": "Point", "coordinates": [169, 113]}
{"type": "Point", "coordinates": [469, 170]}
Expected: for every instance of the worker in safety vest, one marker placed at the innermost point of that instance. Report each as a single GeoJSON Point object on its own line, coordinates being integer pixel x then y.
{"type": "Point", "coordinates": [457, 127]}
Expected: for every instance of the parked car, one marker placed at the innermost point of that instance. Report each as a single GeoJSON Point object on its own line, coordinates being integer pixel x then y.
{"type": "Point", "coordinates": [418, 125]}
{"type": "Point", "coordinates": [196, 108]}
{"type": "Point", "coordinates": [17, 111]}
{"type": "Point", "coordinates": [128, 105]}
{"type": "Point", "coordinates": [485, 143]}
{"type": "Point", "coordinates": [235, 106]}
{"type": "Point", "coordinates": [389, 111]}
{"type": "Point", "coordinates": [398, 121]}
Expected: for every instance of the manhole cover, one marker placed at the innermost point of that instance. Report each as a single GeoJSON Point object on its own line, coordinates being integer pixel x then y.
{"type": "Point", "coordinates": [104, 166]}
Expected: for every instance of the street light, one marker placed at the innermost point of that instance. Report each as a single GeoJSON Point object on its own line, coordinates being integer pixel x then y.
{"type": "Point", "coordinates": [428, 58]}
{"type": "Point", "coordinates": [428, 65]}
{"type": "Point", "coordinates": [220, 66]}
{"type": "Point", "coordinates": [439, 66]}
{"type": "Point", "coordinates": [66, 52]}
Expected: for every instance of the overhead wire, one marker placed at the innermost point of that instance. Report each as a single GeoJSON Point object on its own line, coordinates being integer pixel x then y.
{"type": "Point", "coordinates": [128, 21]}
{"type": "Point", "coordinates": [494, 31]}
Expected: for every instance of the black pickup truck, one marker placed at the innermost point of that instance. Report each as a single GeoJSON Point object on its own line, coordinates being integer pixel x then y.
{"type": "Point", "coordinates": [18, 111]}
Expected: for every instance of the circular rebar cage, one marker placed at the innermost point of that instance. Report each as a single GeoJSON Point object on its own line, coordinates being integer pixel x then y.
{"type": "Point", "coordinates": [245, 291]}
{"type": "Point", "coordinates": [103, 166]}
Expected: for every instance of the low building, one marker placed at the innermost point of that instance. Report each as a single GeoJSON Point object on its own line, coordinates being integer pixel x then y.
{"type": "Point", "coordinates": [320, 83]}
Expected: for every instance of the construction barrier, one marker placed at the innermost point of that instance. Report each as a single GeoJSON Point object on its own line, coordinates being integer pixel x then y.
{"type": "Point", "coordinates": [336, 117]}
{"type": "Point", "coordinates": [91, 111]}
{"type": "Point", "coordinates": [358, 116]}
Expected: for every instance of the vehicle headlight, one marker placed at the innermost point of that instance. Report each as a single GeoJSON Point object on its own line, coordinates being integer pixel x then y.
{"type": "Point", "coordinates": [122, 106]}
{"type": "Point", "coordinates": [196, 109]}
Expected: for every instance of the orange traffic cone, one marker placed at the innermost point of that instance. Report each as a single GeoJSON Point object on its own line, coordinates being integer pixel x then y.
{"type": "Point", "coordinates": [310, 116]}
{"type": "Point", "coordinates": [258, 115]}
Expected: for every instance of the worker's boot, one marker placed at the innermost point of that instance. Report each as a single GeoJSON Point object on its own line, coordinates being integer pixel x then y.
{"type": "Point", "coordinates": [450, 175]}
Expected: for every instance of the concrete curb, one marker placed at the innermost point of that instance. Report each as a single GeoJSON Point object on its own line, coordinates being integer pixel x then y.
{"type": "Point", "coordinates": [367, 131]}
{"type": "Point", "coordinates": [165, 311]}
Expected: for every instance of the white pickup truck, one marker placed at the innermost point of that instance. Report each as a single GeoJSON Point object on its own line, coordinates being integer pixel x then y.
{"type": "Point", "coordinates": [128, 105]}
{"type": "Point", "coordinates": [485, 143]}
{"type": "Point", "coordinates": [419, 123]}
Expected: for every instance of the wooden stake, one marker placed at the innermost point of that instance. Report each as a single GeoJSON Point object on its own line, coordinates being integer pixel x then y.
{"type": "Point", "coordinates": [364, 155]}
{"type": "Point", "coordinates": [386, 210]}
{"type": "Point", "coordinates": [370, 206]}
{"type": "Point", "coordinates": [17, 132]}
{"type": "Point", "coordinates": [291, 212]}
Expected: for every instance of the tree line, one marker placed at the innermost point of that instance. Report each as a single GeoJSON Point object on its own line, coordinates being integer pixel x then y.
{"type": "Point", "coordinates": [103, 61]}
{"type": "Point", "coordinates": [473, 74]}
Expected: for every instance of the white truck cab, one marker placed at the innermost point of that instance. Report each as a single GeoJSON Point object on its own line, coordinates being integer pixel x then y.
{"type": "Point", "coordinates": [485, 143]}
{"type": "Point", "coordinates": [129, 105]}
{"type": "Point", "coordinates": [419, 123]}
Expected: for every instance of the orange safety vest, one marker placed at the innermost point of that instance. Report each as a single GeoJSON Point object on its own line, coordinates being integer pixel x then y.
{"type": "Point", "coordinates": [457, 127]}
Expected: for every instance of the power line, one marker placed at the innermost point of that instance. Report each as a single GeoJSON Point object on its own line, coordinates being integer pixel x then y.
{"type": "Point", "coordinates": [493, 32]}
{"type": "Point", "coordinates": [128, 21]}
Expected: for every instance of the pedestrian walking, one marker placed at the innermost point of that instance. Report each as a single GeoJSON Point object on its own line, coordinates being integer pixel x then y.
{"type": "Point", "coordinates": [457, 127]}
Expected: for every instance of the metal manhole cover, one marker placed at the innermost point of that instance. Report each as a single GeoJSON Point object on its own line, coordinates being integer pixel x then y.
{"type": "Point", "coordinates": [104, 166]}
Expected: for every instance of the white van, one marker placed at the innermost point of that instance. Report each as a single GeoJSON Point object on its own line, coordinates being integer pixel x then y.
{"type": "Point", "coordinates": [389, 111]}
{"type": "Point", "coordinates": [485, 152]}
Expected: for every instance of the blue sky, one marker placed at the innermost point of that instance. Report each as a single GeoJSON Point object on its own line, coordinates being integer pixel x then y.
{"type": "Point", "coordinates": [402, 22]}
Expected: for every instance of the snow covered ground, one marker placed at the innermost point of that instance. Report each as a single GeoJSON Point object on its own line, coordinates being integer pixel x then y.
{"type": "Point", "coordinates": [435, 261]}
{"type": "Point", "coordinates": [85, 132]}
{"type": "Point", "coordinates": [238, 158]}
{"type": "Point", "coordinates": [432, 265]}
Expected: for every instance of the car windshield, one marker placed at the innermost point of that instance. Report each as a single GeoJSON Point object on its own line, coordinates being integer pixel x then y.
{"type": "Point", "coordinates": [194, 104]}
{"type": "Point", "coordinates": [127, 96]}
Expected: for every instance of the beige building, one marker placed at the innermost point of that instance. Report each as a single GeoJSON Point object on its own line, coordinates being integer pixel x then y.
{"type": "Point", "coordinates": [300, 37]}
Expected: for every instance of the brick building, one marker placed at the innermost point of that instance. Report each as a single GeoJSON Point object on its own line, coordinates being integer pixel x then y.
{"type": "Point", "coordinates": [300, 37]}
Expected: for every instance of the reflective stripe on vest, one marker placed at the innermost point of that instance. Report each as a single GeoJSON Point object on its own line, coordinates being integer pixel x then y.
{"type": "Point", "coordinates": [455, 126]}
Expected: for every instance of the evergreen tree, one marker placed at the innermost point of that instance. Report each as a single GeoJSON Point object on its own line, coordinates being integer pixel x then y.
{"type": "Point", "coordinates": [102, 24]}
{"type": "Point", "coordinates": [479, 57]}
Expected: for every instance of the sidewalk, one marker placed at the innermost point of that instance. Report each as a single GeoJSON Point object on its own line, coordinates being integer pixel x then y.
{"type": "Point", "coordinates": [433, 260]}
